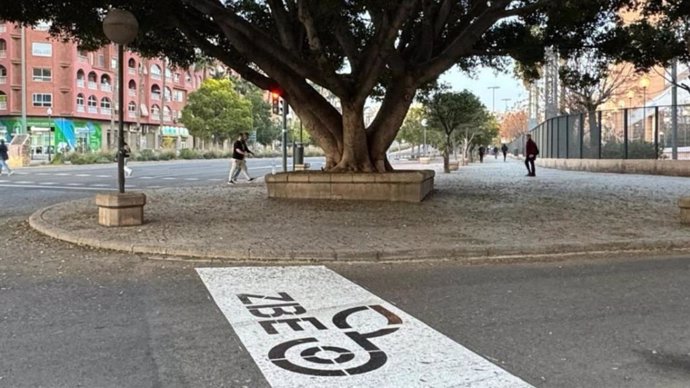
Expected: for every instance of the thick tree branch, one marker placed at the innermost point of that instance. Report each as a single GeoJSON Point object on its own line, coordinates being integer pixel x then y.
{"type": "Point", "coordinates": [283, 24]}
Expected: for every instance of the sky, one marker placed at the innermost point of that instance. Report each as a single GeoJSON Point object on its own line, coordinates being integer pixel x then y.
{"type": "Point", "coordinates": [509, 87]}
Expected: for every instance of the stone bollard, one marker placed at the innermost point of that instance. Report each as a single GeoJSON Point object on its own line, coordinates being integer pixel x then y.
{"type": "Point", "coordinates": [684, 205]}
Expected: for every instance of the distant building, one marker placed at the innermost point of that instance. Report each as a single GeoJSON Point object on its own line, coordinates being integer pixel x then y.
{"type": "Point", "coordinates": [75, 92]}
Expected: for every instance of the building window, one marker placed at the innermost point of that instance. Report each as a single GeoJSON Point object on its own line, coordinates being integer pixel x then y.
{"type": "Point", "coordinates": [132, 88]}
{"type": "Point", "coordinates": [42, 75]}
{"type": "Point", "coordinates": [113, 63]}
{"type": "Point", "coordinates": [3, 28]}
{"type": "Point", "coordinates": [92, 80]}
{"type": "Point", "coordinates": [155, 92]}
{"type": "Point", "coordinates": [41, 49]}
{"type": "Point", "coordinates": [3, 48]}
{"type": "Point", "coordinates": [80, 78]}
{"type": "Point", "coordinates": [42, 99]}
{"type": "Point", "coordinates": [178, 95]}
{"type": "Point", "coordinates": [155, 111]}
{"type": "Point", "coordinates": [168, 94]}
{"type": "Point", "coordinates": [105, 83]}
{"type": "Point", "coordinates": [132, 109]}
{"type": "Point", "coordinates": [155, 72]}
{"type": "Point", "coordinates": [80, 102]}
{"type": "Point", "coordinates": [131, 66]}
{"type": "Point", "coordinates": [3, 101]}
{"type": "Point", "coordinates": [3, 75]}
{"type": "Point", "coordinates": [42, 26]}
{"type": "Point", "coordinates": [105, 106]}
{"type": "Point", "coordinates": [93, 104]}
{"type": "Point", "coordinates": [101, 60]}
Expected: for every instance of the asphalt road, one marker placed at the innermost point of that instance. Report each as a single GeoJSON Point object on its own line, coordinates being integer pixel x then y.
{"type": "Point", "coordinates": [72, 316]}
{"type": "Point", "coordinates": [34, 187]}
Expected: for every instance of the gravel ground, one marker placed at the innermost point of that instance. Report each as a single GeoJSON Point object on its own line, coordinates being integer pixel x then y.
{"type": "Point", "coordinates": [482, 210]}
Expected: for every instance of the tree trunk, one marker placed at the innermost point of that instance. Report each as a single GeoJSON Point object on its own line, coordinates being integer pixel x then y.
{"type": "Point", "coordinates": [446, 155]}
{"type": "Point", "coordinates": [594, 133]}
{"type": "Point", "coordinates": [355, 153]}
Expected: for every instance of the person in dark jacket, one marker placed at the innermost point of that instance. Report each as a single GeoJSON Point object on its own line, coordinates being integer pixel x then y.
{"type": "Point", "coordinates": [504, 149]}
{"type": "Point", "coordinates": [531, 152]}
{"type": "Point", "coordinates": [481, 154]}
{"type": "Point", "coordinates": [239, 151]}
{"type": "Point", "coordinates": [3, 158]}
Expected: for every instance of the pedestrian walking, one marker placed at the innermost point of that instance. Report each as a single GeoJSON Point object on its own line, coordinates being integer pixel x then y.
{"type": "Point", "coordinates": [504, 149]}
{"type": "Point", "coordinates": [240, 150]}
{"type": "Point", "coordinates": [126, 152]}
{"type": "Point", "coordinates": [481, 154]}
{"type": "Point", "coordinates": [495, 152]}
{"type": "Point", "coordinates": [531, 152]}
{"type": "Point", "coordinates": [4, 156]}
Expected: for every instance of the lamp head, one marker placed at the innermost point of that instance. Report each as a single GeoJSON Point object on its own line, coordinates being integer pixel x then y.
{"type": "Point", "coordinates": [120, 26]}
{"type": "Point", "coordinates": [644, 82]}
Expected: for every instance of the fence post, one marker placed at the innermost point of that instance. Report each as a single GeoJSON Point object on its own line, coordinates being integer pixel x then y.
{"type": "Point", "coordinates": [558, 137]}
{"type": "Point", "coordinates": [625, 134]}
{"type": "Point", "coordinates": [656, 132]}
{"type": "Point", "coordinates": [582, 134]}
{"type": "Point", "coordinates": [599, 129]}
{"type": "Point", "coordinates": [567, 129]}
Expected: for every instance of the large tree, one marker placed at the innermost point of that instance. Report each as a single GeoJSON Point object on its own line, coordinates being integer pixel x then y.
{"type": "Point", "coordinates": [452, 113]}
{"type": "Point", "coordinates": [216, 111]}
{"type": "Point", "coordinates": [354, 49]}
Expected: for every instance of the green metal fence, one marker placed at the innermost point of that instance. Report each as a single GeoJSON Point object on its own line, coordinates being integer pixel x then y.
{"type": "Point", "coordinates": [630, 133]}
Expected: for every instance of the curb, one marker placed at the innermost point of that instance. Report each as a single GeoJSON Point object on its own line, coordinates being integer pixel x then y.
{"type": "Point", "coordinates": [475, 255]}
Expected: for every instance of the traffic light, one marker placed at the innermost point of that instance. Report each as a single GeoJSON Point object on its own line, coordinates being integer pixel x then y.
{"type": "Point", "coordinates": [275, 102]}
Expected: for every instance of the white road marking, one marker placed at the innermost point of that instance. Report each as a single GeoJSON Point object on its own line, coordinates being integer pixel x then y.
{"type": "Point", "coordinates": [216, 179]}
{"type": "Point", "coordinates": [75, 184]}
{"type": "Point", "coordinates": [24, 182]}
{"type": "Point", "coordinates": [53, 187]}
{"type": "Point", "coordinates": [310, 327]}
{"type": "Point", "coordinates": [169, 178]}
{"type": "Point", "coordinates": [47, 183]}
{"type": "Point", "coordinates": [191, 179]}
{"type": "Point", "coordinates": [147, 177]}
{"type": "Point", "coordinates": [104, 176]}
{"type": "Point", "coordinates": [100, 185]}
{"type": "Point", "coordinates": [82, 175]}
{"type": "Point", "coordinates": [62, 174]}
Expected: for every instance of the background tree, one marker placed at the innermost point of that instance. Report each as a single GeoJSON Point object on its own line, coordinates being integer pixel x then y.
{"type": "Point", "coordinates": [267, 129]}
{"type": "Point", "coordinates": [449, 112]}
{"type": "Point", "coordinates": [590, 80]}
{"type": "Point", "coordinates": [412, 130]}
{"type": "Point", "coordinates": [217, 112]}
{"type": "Point", "coordinates": [355, 49]}
{"type": "Point", "coordinates": [513, 124]}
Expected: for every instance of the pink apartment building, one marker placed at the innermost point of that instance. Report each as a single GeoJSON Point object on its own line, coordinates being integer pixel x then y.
{"type": "Point", "coordinates": [74, 92]}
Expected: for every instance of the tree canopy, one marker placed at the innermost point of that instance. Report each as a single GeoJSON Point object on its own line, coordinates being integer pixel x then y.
{"type": "Point", "coordinates": [363, 48]}
{"type": "Point", "coordinates": [216, 111]}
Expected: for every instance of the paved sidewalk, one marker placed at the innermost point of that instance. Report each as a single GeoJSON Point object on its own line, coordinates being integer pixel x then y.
{"type": "Point", "coordinates": [489, 210]}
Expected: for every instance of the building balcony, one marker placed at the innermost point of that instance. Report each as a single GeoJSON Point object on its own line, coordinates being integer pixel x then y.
{"type": "Point", "coordinates": [155, 76]}
{"type": "Point", "coordinates": [3, 28]}
{"type": "Point", "coordinates": [93, 109]}
{"type": "Point", "coordinates": [106, 111]}
{"type": "Point", "coordinates": [156, 97]}
{"type": "Point", "coordinates": [92, 85]}
{"type": "Point", "coordinates": [167, 118]}
{"type": "Point", "coordinates": [132, 114]}
{"type": "Point", "coordinates": [132, 92]}
{"type": "Point", "coordinates": [80, 83]}
{"type": "Point", "coordinates": [3, 80]}
{"type": "Point", "coordinates": [106, 88]}
{"type": "Point", "coordinates": [131, 71]}
{"type": "Point", "coordinates": [3, 106]}
{"type": "Point", "coordinates": [3, 54]}
{"type": "Point", "coordinates": [80, 108]}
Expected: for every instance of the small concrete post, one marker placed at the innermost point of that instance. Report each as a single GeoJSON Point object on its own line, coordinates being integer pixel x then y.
{"type": "Point", "coordinates": [684, 205]}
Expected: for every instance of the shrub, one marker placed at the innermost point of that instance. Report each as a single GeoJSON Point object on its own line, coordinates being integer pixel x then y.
{"type": "Point", "coordinates": [167, 155]}
{"type": "Point", "coordinates": [145, 155]}
{"type": "Point", "coordinates": [213, 154]}
{"type": "Point", "coordinates": [188, 153]}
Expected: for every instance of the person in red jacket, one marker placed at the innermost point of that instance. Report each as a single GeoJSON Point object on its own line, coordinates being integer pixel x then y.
{"type": "Point", "coordinates": [531, 152]}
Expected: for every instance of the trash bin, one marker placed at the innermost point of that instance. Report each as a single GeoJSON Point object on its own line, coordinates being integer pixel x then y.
{"type": "Point", "coordinates": [298, 154]}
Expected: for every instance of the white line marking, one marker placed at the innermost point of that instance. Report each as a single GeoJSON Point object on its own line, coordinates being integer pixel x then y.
{"type": "Point", "coordinates": [104, 176]}
{"type": "Point", "coordinates": [24, 182]}
{"type": "Point", "coordinates": [100, 185]}
{"type": "Point", "coordinates": [216, 179]}
{"type": "Point", "coordinates": [62, 174]}
{"type": "Point", "coordinates": [310, 327]}
{"type": "Point", "coordinates": [191, 179]}
{"type": "Point", "coordinates": [82, 175]}
{"type": "Point", "coordinates": [146, 177]}
{"type": "Point", "coordinates": [169, 178]}
{"type": "Point", "coordinates": [75, 184]}
{"type": "Point", "coordinates": [53, 187]}
{"type": "Point", "coordinates": [47, 183]}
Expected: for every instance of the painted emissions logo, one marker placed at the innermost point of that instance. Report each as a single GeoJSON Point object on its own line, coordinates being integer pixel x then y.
{"type": "Point", "coordinates": [310, 356]}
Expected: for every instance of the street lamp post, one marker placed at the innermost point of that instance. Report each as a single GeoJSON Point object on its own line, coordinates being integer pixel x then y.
{"type": "Point", "coordinates": [424, 124]}
{"type": "Point", "coordinates": [493, 98]}
{"type": "Point", "coordinates": [50, 128]}
{"type": "Point", "coordinates": [644, 84]}
{"type": "Point", "coordinates": [121, 27]}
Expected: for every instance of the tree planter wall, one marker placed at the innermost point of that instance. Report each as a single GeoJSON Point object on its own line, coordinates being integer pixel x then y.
{"type": "Point", "coordinates": [403, 186]}
{"type": "Point", "coordinates": [121, 209]}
